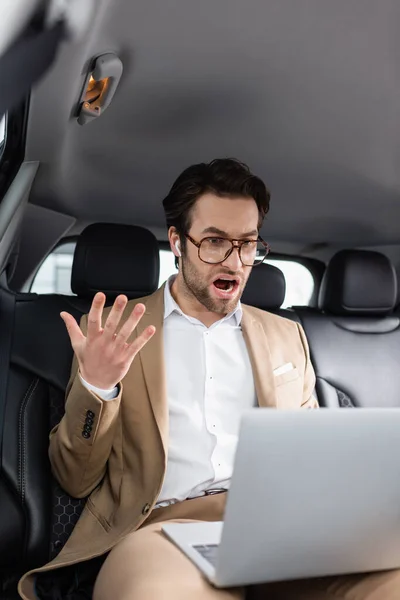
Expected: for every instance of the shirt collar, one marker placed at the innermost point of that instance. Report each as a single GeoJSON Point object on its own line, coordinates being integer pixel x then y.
{"type": "Point", "coordinates": [171, 306]}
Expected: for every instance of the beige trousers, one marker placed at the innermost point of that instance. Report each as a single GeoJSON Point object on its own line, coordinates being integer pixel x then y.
{"type": "Point", "coordinates": [146, 566]}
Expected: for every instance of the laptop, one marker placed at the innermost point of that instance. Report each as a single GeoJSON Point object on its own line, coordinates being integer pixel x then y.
{"type": "Point", "coordinates": [313, 493]}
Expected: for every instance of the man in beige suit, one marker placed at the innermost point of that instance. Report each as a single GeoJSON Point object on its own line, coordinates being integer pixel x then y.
{"type": "Point", "coordinates": [156, 394]}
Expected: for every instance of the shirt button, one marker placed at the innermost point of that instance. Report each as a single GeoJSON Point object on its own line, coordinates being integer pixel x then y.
{"type": "Point", "coordinates": [86, 434]}
{"type": "Point", "coordinates": [90, 414]}
{"type": "Point", "coordinates": [146, 509]}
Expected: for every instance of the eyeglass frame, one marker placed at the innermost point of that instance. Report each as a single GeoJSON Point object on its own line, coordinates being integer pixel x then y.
{"type": "Point", "coordinates": [238, 245]}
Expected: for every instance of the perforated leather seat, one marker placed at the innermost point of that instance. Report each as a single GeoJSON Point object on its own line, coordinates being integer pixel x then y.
{"type": "Point", "coordinates": [36, 516]}
{"type": "Point", "coordinates": [355, 337]}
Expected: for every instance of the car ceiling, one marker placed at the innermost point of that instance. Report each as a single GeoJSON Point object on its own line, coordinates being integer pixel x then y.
{"type": "Point", "coordinates": [307, 92]}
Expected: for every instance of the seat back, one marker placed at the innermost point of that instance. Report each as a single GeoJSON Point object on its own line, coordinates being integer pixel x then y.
{"type": "Point", "coordinates": [37, 516]}
{"type": "Point", "coordinates": [266, 289]}
{"type": "Point", "coordinates": [355, 336]}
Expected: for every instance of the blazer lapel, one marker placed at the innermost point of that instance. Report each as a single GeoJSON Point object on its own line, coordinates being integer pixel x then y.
{"type": "Point", "coordinates": [260, 357]}
{"type": "Point", "coordinates": [152, 359]}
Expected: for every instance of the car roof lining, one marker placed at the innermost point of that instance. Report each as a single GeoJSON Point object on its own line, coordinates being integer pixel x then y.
{"type": "Point", "coordinates": [305, 92]}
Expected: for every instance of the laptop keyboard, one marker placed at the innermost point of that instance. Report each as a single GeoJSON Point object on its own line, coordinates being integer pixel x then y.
{"type": "Point", "coordinates": [209, 552]}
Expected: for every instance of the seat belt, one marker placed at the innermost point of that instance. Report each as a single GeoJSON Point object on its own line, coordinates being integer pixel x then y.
{"type": "Point", "coordinates": [7, 317]}
{"type": "Point", "coordinates": [25, 62]}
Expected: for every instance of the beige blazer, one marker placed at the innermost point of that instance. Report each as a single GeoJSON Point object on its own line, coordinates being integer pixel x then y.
{"type": "Point", "coordinates": [122, 465]}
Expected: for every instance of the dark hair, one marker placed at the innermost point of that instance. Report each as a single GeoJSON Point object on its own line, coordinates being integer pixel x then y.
{"type": "Point", "coordinates": [225, 177]}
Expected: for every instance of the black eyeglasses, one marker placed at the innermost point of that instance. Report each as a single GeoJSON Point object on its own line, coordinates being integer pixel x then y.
{"type": "Point", "coordinates": [214, 250]}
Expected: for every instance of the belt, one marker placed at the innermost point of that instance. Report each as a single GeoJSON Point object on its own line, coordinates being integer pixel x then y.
{"type": "Point", "coordinates": [206, 493]}
{"type": "Point", "coordinates": [216, 491]}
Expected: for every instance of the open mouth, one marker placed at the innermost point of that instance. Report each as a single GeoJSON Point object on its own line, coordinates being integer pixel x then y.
{"type": "Point", "coordinates": [225, 286]}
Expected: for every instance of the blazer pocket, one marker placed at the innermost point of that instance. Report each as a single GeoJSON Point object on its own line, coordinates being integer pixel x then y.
{"type": "Point", "coordinates": [97, 514]}
{"type": "Point", "coordinates": [289, 390]}
{"type": "Point", "coordinates": [286, 377]}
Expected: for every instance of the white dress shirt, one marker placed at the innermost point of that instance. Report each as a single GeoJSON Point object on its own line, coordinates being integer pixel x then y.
{"type": "Point", "coordinates": [209, 385]}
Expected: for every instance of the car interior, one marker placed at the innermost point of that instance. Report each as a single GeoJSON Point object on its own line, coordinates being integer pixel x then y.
{"type": "Point", "coordinates": [118, 99]}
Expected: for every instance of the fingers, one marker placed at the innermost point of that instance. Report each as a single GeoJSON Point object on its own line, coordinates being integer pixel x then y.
{"type": "Point", "coordinates": [74, 331]}
{"type": "Point", "coordinates": [114, 317]}
{"type": "Point", "coordinates": [95, 314]}
{"type": "Point", "coordinates": [130, 324]}
{"type": "Point", "coordinates": [141, 341]}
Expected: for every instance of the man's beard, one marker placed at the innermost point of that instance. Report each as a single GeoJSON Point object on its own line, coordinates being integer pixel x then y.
{"type": "Point", "coordinates": [200, 290]}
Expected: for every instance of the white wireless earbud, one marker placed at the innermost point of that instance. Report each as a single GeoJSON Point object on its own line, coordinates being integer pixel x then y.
{"type": "Point", "coordinates": [178, 248]}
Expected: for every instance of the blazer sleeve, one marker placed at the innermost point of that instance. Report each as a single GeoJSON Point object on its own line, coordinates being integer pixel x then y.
{"type": "Point", "coordinates": [80, 445]}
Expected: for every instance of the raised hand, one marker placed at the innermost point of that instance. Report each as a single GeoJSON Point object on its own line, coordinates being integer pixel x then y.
{"type": "Point", "coordinates": [104, 355]}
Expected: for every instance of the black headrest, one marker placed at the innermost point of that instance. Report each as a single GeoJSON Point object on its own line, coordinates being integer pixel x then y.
{"type": "Point", "coordinates": [265, 288]}
{"type": "Point", "coordinates": [115, 259]}
{"type": "Point", "coordinates": [359, 282]}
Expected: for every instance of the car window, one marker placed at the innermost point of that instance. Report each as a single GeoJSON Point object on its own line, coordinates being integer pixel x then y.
{"type": "Point", "coordinates": [299, 282]}
{"type": "Point", "coordinates": [167, 265]}
{"type": "Point", "coordinates": [2, 134]}
{"type": "Point", "coordinates": [54, 275]}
